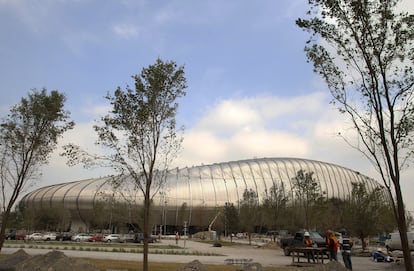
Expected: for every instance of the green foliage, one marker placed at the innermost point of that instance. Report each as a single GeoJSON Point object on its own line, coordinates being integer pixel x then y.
{"type": "Point", "coordinates": [30, 132]}
{"type": "Point", "coordinates": [231, 218]}
{"type": "Point", "coordinates": [367, 212]}
{"type": "Point", "coordinates": [249, 210]}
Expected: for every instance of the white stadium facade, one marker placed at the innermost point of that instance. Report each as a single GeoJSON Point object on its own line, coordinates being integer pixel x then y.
{"type": "Point", "coordinates": [191, 194]}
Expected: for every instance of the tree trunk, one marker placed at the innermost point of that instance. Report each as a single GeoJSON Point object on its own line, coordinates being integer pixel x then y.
{"type": "Point", "coordinates": [5, 220]}
{"type": "Point", "coordinates": [402, 228]}
{"type": "Point", "coordinates": [146, 231]}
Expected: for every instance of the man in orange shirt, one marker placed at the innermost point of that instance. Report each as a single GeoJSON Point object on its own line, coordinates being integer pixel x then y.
{"type": "Point", "coordinates": [309, 243]}
{"type": "Point", "coordinates": [332, 244]}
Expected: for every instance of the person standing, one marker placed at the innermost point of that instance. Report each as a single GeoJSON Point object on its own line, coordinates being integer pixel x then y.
{"type": "Point", "coordinates": [332, 244]}
{"type": "Point", "coordinates": [309, 243]}
{"type": "Point", "coordinates": [177, 237]}
{"type": "Point", "coordinates": [346, 244]}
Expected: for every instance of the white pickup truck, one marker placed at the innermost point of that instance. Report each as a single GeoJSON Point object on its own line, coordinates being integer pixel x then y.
{"type": "Point", "coordinates": [393, 241]}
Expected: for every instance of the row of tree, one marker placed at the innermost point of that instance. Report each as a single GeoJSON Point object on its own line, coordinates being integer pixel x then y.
{"type": "Point", "coordinates": [311, 209]}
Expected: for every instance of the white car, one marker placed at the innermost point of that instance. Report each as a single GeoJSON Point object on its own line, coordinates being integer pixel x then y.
{"type": "Point", "coordinates": [112, 238]}
{"type": "Point", "coordinates": [49, 236]}
{"type": "Point", "coordinates": [81, 237]}
{"type": "Point", "coordinates": [393, 241]}
{"type": "Point", "coordinates": [36, 236]}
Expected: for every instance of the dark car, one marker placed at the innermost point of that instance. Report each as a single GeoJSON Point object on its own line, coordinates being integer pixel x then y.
{"type": "Point", "coordinates": [139, 238]}
{"type": "Point", "coordinates": [63, 236]}
{"type": "Point", "coordinates": [13, 235]}
{"type": "Point", "coordinates": [127, 238]}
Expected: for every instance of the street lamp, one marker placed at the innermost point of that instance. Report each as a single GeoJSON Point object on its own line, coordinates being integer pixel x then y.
{"type": "Point", "coordinates": [185, 232]}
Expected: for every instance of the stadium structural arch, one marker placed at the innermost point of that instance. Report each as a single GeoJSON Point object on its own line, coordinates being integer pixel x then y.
{"type": "Point", "coordinates": [191, 194]}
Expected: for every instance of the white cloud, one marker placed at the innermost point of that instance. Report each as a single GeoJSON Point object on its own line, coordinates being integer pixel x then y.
{"type": "Point", "coordinates": [126, 31]}
{"type": "Point", "coordinates": [406, 6]}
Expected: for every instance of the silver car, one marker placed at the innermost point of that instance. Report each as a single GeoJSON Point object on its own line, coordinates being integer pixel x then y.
{"type": "Point", "coordinates": [112, 238]}
{"type": "Point", "coordinates": [81, 237]}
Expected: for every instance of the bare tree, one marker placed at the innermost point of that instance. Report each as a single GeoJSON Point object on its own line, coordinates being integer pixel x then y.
{"type": "Point", "coordinates": [140, 133]}
{"type": "Point", "coordinates": [364, 50]}
{"type": "Point", "coordinates": [230, 219]}
{"type": "Point", "coordinates": [369, 219]}
{"type": "Point", "coordinates": [274, 205]}
{"type": "Point", "coordinates": [249, 212]}
{"type": "Point", "coordinates": [308, 193]}
{"type": "Point", "coordinates": [28, 136]}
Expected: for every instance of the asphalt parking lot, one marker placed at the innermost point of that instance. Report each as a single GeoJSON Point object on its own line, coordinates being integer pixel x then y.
{"type": "Point", "coordinates": [240, 252]}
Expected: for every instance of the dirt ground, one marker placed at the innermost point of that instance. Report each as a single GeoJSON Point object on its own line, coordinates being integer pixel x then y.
{"type": "Point", "coordinates": [57, 261]}
{"type": "Point", "coordinates": [52, 261]}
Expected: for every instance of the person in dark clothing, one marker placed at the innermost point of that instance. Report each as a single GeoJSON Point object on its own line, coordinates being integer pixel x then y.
{"type": "Point", "coordinates": [346, 244]}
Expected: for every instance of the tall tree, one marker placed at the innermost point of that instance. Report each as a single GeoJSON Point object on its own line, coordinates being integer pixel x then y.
{"type": "Point", "coordinates": [364, 50]}
{"type": "Point", "coordinates": [231, 219]}
{"type": "Point", "coordinates": [249, 211]}
{"type": "Point", "coordinates": [140, 133]}
{"type": "Point", "coordinates": [308, 193]}
{"type": "Point", "coordinates": [274, 204]}
{"type": "Point", "coordinates": [28, 136]}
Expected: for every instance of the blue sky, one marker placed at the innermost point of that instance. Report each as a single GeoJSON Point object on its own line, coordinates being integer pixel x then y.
{"type": "Point", "coordinates": [250, 93]}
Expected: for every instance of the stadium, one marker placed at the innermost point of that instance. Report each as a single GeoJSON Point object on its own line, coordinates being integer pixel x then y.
{"type": "Point", "coordinates": [191, 195]}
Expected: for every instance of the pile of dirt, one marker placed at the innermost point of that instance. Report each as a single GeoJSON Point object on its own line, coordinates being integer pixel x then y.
{"type": "Point", "coordinates": [52, 261]}
{"type": "Point", "coordinates": [193, 266]}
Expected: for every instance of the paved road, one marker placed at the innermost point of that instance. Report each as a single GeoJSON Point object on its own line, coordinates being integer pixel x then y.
{"type": "Point", "coordinates": [266, 257]}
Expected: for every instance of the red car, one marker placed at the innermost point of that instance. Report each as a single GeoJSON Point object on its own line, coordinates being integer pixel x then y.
{"type": "Point", "coordinates": [95, 238]}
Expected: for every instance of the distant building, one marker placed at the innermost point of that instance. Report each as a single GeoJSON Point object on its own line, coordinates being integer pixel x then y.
{"type": "Point", "coordinates": [191, 194]}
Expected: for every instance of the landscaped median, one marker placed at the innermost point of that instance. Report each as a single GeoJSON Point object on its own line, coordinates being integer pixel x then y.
{"type": "Point", "coordinates": [123, 248]}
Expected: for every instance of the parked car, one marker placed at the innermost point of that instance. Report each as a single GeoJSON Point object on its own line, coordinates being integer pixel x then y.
{"type": "Point", "coordinates": [127, 238]}
{"type": "Point", "coordinates": [111, 238]}
{"type": "Point", "coordinates": [49, 236]}
{"type": "Point", "coordinates": [13, 235]}
{"type": "Point", "coordinates": [81, 237]}
{"type": "Point", "coordinates": [139, 237]}
{"type": "Point", "coordinates": [95, 238]}
{"type": "Point", "coordinates": [36, 236]}
{"type": "Point", "coordinates": [64, 236]}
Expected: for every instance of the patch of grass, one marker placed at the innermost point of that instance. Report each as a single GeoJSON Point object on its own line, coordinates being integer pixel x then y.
{"type": "Point", "coordinates": [159, 249]}
{"type": "Point", "coordinates": [105, 264]}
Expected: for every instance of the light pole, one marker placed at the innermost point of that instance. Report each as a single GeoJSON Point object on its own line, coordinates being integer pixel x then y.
{"type": "Point", "coordinates": [185, 232]}
{"type": "Point", "coordinates": [165, 217]}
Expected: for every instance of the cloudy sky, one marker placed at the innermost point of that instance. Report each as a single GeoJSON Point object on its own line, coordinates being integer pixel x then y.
{"type": "Point", "coordinates": [250, 93]}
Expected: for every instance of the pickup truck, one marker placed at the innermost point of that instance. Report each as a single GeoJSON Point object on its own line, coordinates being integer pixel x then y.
{"type": "Point", "coordinates": [298, 241]}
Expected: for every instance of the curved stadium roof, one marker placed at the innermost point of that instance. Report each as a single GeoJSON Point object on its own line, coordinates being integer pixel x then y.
{"type": "Point", "coordinates": [205, 186]}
